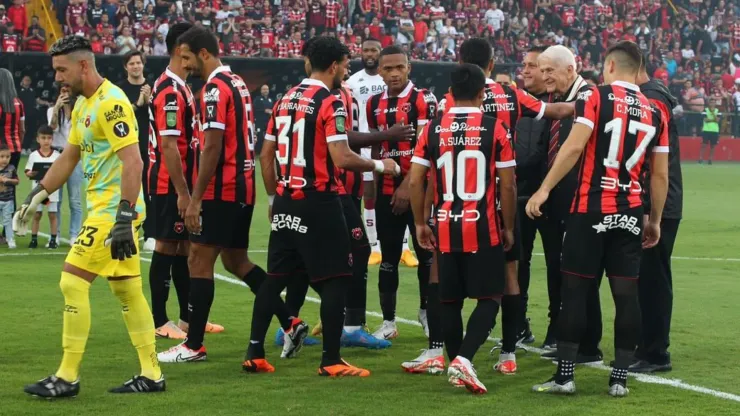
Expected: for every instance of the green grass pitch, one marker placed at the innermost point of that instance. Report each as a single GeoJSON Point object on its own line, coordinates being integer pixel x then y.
{"type": "Point", "coordinates": [704, 344]}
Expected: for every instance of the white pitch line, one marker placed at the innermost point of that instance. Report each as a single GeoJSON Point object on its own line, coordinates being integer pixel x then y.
{"type": "Point", "coordinates": [639, 377]}
{"type": "Point", "coordinates": [645, 378]}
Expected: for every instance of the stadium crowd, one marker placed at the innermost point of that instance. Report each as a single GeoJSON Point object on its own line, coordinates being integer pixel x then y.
{"type": "Point", "coordinates": [692, 45]}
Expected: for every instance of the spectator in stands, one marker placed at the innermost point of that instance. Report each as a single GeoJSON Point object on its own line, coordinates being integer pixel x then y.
{"type": "Point", "coordinates": [59, 118]}
{"type": "Point", "coordinates": [27, 95]}
{"type": "Point", "coordinates": [262, 109]}
{"type": "Point", "coordinates": [693, 101]}
{"type": "Point", "coordinates": [10, 40]}
{"type": "Point", "coordinates": [4, 19]}
{"type": "Point", "coordinates": [160, 47]}
{"type": "Point", "coordinates": [125, 43]}
{"type": "Point", "coordinates": [35, 40]}
{"type": "Point", "coordinates": [17, 14]}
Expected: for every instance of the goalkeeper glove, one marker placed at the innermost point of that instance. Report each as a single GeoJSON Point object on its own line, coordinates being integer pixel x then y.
{"type": "Point", "coordinates": [121, 239]}
{"type": "Point", "coordinates": [38, 195]}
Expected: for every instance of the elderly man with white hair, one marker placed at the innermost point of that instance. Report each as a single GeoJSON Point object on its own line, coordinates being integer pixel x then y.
{"type": "Point", "coordinates": [558, 66]}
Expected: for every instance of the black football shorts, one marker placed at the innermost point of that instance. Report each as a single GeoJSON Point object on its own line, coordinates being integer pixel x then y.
{"type": "Point", "coordinates": [611, 242]}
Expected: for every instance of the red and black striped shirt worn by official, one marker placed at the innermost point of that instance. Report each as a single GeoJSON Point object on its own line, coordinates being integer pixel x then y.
{"type": "Point", "coordinates": [305, 120]}
{"type": "Point", "coordinates": [10, 126]}
{"type": "Point", "coordinates": [413, 106]}
{"type": "Point", "coordinates": [625, 127]}
{"type": "Point", "coordinates": [351, 181]}
{"type": "Point", "coordinates": [172, 114]}
{"type": "Point", "coordinates": [227, 106]}
{"type": "Point", "coordinates": [505, 103]}
{"type": "Point", "coordinates": [464, 148]}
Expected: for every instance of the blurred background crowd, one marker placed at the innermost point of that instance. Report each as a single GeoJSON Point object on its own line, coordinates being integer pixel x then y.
{"type": "Point", "coordinates": [693, 46]}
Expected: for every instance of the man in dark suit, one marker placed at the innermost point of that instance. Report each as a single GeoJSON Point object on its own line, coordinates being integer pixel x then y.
{"type": "Point", "coordinates": [262, 110]}
{"type": "Point", "coordinates": [558, 67]}
{"type": "Point", "coordinates": [656, 279]}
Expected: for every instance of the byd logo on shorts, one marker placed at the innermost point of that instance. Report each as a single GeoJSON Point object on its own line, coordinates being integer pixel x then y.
{"type": "Point", "coordinates": [613, 221]}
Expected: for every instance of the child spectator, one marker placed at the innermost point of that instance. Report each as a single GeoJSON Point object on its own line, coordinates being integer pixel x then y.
{"type": "Point", "coordinates": [8, 182]}
{"type": "Point", "coordinates": [37, 165]}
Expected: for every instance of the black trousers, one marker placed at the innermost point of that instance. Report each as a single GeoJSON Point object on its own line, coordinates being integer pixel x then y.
{"type": "Point", "coordinates": [551, 233]}
{"type": "Point", "coordinates": [656, 296]}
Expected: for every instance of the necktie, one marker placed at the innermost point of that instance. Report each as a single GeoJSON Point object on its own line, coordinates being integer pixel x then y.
{"type": "Point", "coordinates": [552, 149]}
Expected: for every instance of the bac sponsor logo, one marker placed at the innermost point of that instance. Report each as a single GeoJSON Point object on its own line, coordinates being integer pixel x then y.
{"type": "Point", "coordinates": [212, 95]}
{"type": "Point", "coordinates": [115, 113]}
{"type": "Point", "coordinates": [290, 222]}
{"type": "Point", "coordinates": [371, 89]}
{"type": "Point", "coordinates": [614, 221]}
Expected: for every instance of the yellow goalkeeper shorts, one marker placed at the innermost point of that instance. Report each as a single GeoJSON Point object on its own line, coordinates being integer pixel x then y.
{"type": "Point", "coordinates": [90, 253]}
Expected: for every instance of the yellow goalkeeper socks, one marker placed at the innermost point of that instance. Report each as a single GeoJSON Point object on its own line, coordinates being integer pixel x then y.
{"type": "Point", "coordinates": [139, 323]}
{"type": "Point", "coordinates": [76, 327]}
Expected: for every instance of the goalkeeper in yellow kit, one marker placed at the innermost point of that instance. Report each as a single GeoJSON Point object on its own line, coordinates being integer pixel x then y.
{"type": "Point", "coordinates": [104, 135]}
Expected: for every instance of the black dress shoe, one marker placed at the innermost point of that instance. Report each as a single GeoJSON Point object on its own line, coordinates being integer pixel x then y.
{"type": "Point", "coordinates": [643, 366]}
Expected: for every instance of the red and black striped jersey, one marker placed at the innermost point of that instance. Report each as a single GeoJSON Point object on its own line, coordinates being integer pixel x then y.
{"type": "Point", "coordinates": [624, 127]}
{"type": "Point", "coordinates": [351, 182]}
{"type": "Point", "coordinates": [505, 103]}
{"type": "Point", "coordinates": [413, 106]}
{"type": "Point", "coordinates": [305, 120]}
{"type": "Point", "coordinates": [464, 148]}
{"type": "Point", "coordinates": [172, 114]}
{"type": "Point", "coordinates": [226, 105]}
{"type": "Point", "coordinates": [10, 126]}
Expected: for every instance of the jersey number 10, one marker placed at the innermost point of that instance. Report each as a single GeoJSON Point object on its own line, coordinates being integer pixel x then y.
{"type": "Point", "coordinates": [615, 127]}
{"type": "Point", "coordinates": [460, 165]}
{"type": "Point", "coordinates": [284, 140]}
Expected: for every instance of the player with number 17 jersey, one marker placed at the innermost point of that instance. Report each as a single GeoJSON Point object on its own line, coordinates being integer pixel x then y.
{"type": "Point", "coordinates": [625, 127]}
{"type": "Point", "coordinates": [607, 207]}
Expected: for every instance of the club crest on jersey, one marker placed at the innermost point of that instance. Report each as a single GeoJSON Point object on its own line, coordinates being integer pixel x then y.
{"type": "Point", "coordinates": [115, 113]}
{"type": "Point", "coordinates": [212, 95]}
{"type": "Point", "coordinates": [357, 233]}
{"type": "Point", "coordinates": [87, 121]}
{"type": "Point", "coordinates": [179, 227]}
{"type": "Point", "coordinates": [406, 108]}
